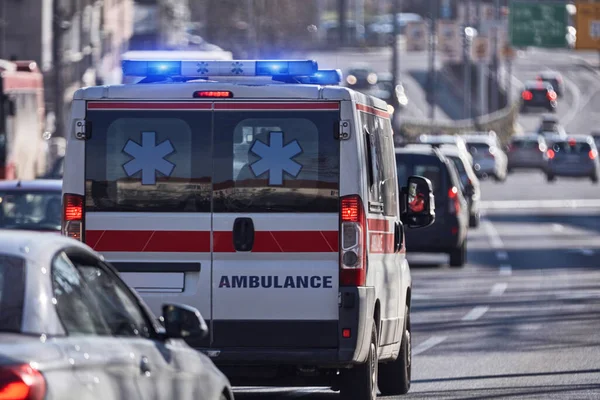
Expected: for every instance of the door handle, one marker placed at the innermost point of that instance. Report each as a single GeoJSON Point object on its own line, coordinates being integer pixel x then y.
{"type": "Point", "coordinates": [243, 234]}
{"type": "Point", "coordinates": [145, 366]}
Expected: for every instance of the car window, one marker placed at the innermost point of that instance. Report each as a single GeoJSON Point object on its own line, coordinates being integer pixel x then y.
{"type": "Point", "coordinates": [425, 166]}
{"type": "Point", "coordinates": [75, 303]}
{"type": "Point", "coordinates": [571, 148]}
{"type": "Point", "coordinates": [12, 292]}
{"type": "Point", "coordinates": [32, 210]}
{"type": "Point", "coordinates": [478, 149]}
{"type": "Point", "coordinates": [460, 168]}
{"type": "Point", "coordinates": [525, 144]}
{"type": "Point", "coordinates": [118, 306]}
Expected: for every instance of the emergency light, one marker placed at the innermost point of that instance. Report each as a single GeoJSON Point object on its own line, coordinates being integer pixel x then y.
{"type": "Point", "coordinates": [202, 68]}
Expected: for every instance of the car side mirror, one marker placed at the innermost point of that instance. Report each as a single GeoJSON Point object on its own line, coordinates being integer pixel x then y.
{"type": "Point", "coordinates": [183, 322]}
{"type": "Point", "coordinates": [419, 203]}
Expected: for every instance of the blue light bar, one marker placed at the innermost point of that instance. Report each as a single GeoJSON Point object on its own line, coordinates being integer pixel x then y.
{"type": "Point", "coordinates": [203, 68]}
{"type": "Point", "coordinates": [323, 77]}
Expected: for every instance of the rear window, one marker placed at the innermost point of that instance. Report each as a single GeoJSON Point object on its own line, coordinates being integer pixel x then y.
{"type": "Point", "coordinates": [30, 210]}
{"type": "Point", "coordinates": [12, 292]}
{"type": "Point", "coordinates": [478, 148]}
{"type": "Point", "coordinates": [567, 148]}
{"type": "Point", "coordinates": [426, 166]}
{"type": "Point", "coordinates": [525, 144]}
{"type": "Point", "coordinates": [238, 161]}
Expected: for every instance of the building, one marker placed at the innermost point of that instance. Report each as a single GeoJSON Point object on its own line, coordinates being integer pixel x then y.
{"type": "Point", "coordinates": [85, 36]}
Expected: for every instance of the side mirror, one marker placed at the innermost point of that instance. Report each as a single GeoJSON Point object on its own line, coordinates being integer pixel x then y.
{"type": "Point", "coordinates": [419, 203]}
{"type": "Point", "coordinates": [183, 322]}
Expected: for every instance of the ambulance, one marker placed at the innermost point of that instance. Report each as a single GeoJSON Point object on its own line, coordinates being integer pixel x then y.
{"type": "Point", "coordinates": [265, 195]}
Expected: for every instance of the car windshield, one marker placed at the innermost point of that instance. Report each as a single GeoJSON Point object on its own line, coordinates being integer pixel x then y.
{"type": "Point", "coordinates": [30, 210]}
{"type": "Point", "coordinates": [571, 148]}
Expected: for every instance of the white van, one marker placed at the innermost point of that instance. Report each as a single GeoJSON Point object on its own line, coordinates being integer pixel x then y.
{"type": "Point", "coordinates": [269, 201]}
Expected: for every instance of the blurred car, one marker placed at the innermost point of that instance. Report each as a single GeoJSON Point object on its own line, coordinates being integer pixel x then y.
{"type": "Point", "coordinates": [70, 328]}
{"type": "Point", "coordinates": [527, 152]}
{"type": "Point", "coordinates": [596, 136]}
{"type": "Point", "coordinates": [555, 79]}
{"type": "Point", "coordinates": [576, 156]}
{"type": "Point", "coordinates": [550, 124]}
{"type": "Point", "coordinates": [539, 94]}
{"type": "Point", "coordinates": [488, 157]}
{"type": "Point", "coordinates": [361, 76]}
{"type": "Point", "coordinates": [381, 28]}
{"type": "Point", "coordinates": [385, 82]}
{"type": "Point", "coordinates": [448, 234]}
{"type": "Point", "coordinates": [31, 205]}
{"type": "Point", "coordinates": [469, 181]}
{"type": "Point", "coordinates": [451, 140]}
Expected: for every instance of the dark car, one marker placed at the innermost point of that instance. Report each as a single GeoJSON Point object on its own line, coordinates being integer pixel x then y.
{"type": "Point", "coordinates": [448, 234]}
{"type": "Point", "coordinates": [361, 77]}
{"type": "Point", "coordinates": [539, 94]}
{"type": "Point", "coordinates": [596, 136]}
{"type": "Point", "coordinates": [469, 182]}
{"type": "Point", "coordinates": [31, 205]}
{"type": "Point", "coordinates": [555, 79]}
{"type": "Point", "coordinates": [576, 156]}
{"type": "Point", "coordinates": [527, 152]}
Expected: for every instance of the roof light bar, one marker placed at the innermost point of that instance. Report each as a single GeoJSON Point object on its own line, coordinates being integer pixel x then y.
{"type": "Point", "coordinates": [202, 68]}
{"type": "Point", "coordinates": [324, 77]}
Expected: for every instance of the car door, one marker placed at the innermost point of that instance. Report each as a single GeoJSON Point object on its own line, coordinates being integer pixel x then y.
{"type": "Point", "coordinates": [102, 365]}
{"type": "Point", "coordinates": [168, 369]}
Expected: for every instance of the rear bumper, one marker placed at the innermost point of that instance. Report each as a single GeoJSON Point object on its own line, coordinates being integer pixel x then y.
{"type": "Point", "coordinates": [437, 238]}
{"type": "Point", "coordinates": [540, 104]}
{"type": "Point", "coordinates": [527, 164]}
{"type": "Point", "coordinates": [577, 170]}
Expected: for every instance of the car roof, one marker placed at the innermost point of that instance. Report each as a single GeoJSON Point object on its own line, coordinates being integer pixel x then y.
{"type": "Point", "coordinates": [534, 137]}
{"type": "Point", "coordinates": [578, 138]}
{"type": "Point", "coordinates": [478, 139]}
{"type": "Point", "coordinates": [35, 246]}
{"type": "Point", "coordinates": [423, 149]}
{"type": "Point", "coordinates": [549, 117]}
{"type": "Point", "coordinates": [537, 85]}
{"type": "Point", "coordinates": [41, 185]}
{"type": "Point", "coordinates": [549, 74]}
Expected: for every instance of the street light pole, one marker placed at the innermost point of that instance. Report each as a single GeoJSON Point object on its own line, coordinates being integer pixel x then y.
{"type": "Point", "coordinates": [495, 61]}
{"type": "Point", "coordinates": [432, 78]}
{"type": "Point", "coordinates": [57, 31]}
{"type": "Point", "coordinates": [467, 32]}
{"type": "Point", "coordinates": [395, 53]}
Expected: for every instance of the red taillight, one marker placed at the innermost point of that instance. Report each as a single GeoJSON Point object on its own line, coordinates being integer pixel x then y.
{"type": "Point", "coordinates": [551, 95]}
{"type": "Point", "coordinates": [353, 254]}
{"type": "Point", "coordinates": [550, 154]}
{"type": "Point", "coordinates": [454, 206]}
{"type": "Point", "coordinates": [212, 94]}
{"type": "Point", "coordinates": [21, 382]}
{"type": "Point", "coordinates": [346, 333]}
{"type": "Point", "coordinates": [72, 224]}
{"type": "Point", "coordinates": [527, 95]}
{"type": "Point", "coordinates": [593, 154]}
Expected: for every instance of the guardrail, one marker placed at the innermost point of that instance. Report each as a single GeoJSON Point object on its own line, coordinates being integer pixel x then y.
{"type": "Point", "coordinates": [503, 122]}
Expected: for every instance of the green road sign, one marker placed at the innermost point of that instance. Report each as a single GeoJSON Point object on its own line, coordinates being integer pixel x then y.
{"type": "Point", "coordinates": [541, 24]}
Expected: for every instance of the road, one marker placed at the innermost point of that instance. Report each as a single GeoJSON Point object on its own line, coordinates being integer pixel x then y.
{"type": "Point", "coordinates": [521, 319]}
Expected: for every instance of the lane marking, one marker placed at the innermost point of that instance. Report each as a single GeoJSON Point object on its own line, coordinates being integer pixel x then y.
{"type": "Point", "coordinates": [502, 255]}
{"type": "Point", "coordinates": [558, 227]}
{"type": "Point", "coordinates": [493, 235]}
{"type": "Point", "coordinates": [498, 289]}
{"type": "Point", "coordinates": [584, 251]}
{"type": "Point", "coordinates": [475, 313]}
{"type": "Point", "coordinates": [428, 344]}
{"type": "Point", "coordinates": [505, 270]}
{"type": "Point", "coordinates": [575, 107]}
{"type": "Point", "coordinates": [527, 204]}
{"type": "Point", "coordinates": [417, 296]}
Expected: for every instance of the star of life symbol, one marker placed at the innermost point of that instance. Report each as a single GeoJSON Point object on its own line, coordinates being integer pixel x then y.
{"type": "Point", "coordinates": [148, 158]}
{"type": "Point", "coordinates": [237, 68]}
{"type": "Point", "coordinates": [202, 67]}
{"type": "Point", "coordinates": [276, 158]}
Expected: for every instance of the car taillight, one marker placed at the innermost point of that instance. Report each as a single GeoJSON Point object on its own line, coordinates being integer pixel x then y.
{"type": "Point", "coordinates": [72, 223]}
{"type": "Point", "coordinates": [527, 95]}
{"type": "Point", "coordinates": [21, 382]}
{"type": "Point", "coordinates": [551, 95]}
{"type": "Point", "coordinates": [454, 206]}
{"type": "Point", "coordinates": [593, 154]}
{"type": "Point", "coordinates": [550, 154]}
{"type": "Point", "coordinates": [353, 257]}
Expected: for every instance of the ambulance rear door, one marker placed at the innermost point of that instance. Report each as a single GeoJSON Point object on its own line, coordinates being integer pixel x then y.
{"type": "Point", "coordinates": [148, 190]}
{"type": "Point", "coordinates": [275, 225]}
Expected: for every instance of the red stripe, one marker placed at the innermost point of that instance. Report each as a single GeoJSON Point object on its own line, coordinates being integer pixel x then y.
{"type": "Point", "coordinates": [371, 110]}
{"type": "Point", "coordinates": [277, 106]}
{"type": "Point", "coordinates": [110, 105]}
{"type": "Point", "coordinates": [381, 225]}
{"type": "Point", "coordinates": [381, 243]}
{"type": "Point", "coordinates": [199, 241]}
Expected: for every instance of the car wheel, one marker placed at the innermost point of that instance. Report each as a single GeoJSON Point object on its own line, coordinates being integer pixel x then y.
{"type": "Point", "coordinates": [360, 382]}
{"type": "Point", "coordinates": [550, 178]}
{"type": "Point", "coordinates": [474, 221]}
{"type": "Point", "coordinates": [458, 256]}
{"type": "Point", "coordinates": [394, 376]}
{"type": "Point", "coordinates": [594, 178]}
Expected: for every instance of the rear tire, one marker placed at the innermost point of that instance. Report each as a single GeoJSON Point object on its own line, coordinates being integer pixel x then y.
{"type": "Point", "coordinates": [473, 221]}
{"type": "Point", "coordinates": [360, 382]}
{"type": "Point", "coordinates": [594, 178]}
{"type": "Point", "coordinates": [394, 376]}
{"type": "Point", "coordinates": [550, 178]}
{"type": "Point", "coordinates": [458, 256]}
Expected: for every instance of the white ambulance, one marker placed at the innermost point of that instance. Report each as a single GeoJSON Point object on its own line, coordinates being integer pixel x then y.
{"type": "Point", "coordinates": [264, 195]}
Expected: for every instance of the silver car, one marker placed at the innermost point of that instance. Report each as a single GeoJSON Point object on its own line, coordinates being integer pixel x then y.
{"type": "Point", "coordinates": [488, 157]}
{"type": "Point", "coordinates": [576, 156]}
{"type": "Point", "coordinates": [71, 329]}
